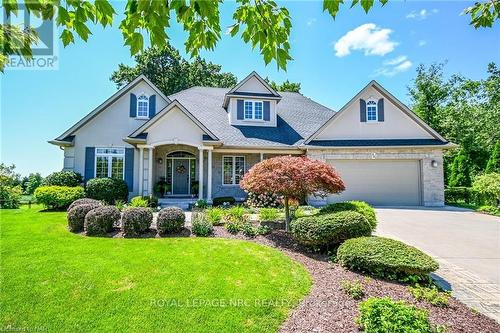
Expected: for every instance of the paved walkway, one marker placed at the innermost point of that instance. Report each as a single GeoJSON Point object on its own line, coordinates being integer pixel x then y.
{"type": "Point", "coordinates": [466, 245]}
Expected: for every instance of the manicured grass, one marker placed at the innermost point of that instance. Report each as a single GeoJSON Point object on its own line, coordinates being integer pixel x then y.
{"type": "Point", "coordinates": [58, 281]}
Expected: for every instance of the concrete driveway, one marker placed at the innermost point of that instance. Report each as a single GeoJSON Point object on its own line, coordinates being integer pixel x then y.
{"type": "Point", "coordinates": [465, 243]}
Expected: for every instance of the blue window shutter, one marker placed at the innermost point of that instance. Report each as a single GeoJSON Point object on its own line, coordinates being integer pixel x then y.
{"type": "Point", "coordinates": [152, 106]}
{"type": "Point", "coordinates": [89, 163]}
{"type": "Point", "coordinates": [380, 109]}
{"type": "Point", "coordinates": [239, 109]}
{"type": "Point", "coordinates": [133, 105]}
{"type": "Point", "coordinates": [362, 110]}
{"type": "Point", "coordinates": [267, 110]}
{"type": "Point", "coordinates": [129, 168]}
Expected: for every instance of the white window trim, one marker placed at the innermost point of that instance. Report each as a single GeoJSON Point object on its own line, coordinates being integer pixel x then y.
{"type": "Point", "coordinates": [253, 110]}
{"type": "Point", "coordinates": [110, 160]}
{"type": "Point", "coordinates": [376, 111]}
{"type": "Point", "coordinates": [147, 108]}
{"type": "Point", "coordinates": [233, 173]}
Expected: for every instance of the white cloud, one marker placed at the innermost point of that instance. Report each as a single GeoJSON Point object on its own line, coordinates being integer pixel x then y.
{"type": "Point", "coordinates": [368, 37]}
{"type": "Point", "coordinates": [421, 14]}
{"type": "Point", "coordinates": [311, 21]}
{"type": "Point", "coordinates": [422, 43]}
{"type": "Point", "coordinates": [394, 66]}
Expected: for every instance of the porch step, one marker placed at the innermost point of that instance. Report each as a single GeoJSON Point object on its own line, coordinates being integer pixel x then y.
{"type": "Point", "coordinates": [183, 203]}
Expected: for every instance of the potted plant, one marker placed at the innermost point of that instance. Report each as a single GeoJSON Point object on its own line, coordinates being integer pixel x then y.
{"type": "Point", "coordinates": [195, 186]}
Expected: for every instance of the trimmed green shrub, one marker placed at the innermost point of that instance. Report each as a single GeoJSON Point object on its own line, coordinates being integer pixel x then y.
{"type": "Point", "coordinates": [356, 206]}
{"type": "Point", "coordinates": [58, 197]}
{"type": "Point", "coordinates": [10, 196]}
{"type": "Point", "coordinates": [432, 295]}
{"type": "Point", "coordinates": [214, 215]}
{"type": "Point", "coordinates": [220, 201]}
{"type": "Point", "coordinates": [100, 220]}
{"type": "Point", "coordinates": [201, 227]}
{"type": "Point", "coordinates": [139, 202]}
{"type": "Point", "coordinates": [63, 178]}
{"type": "Point", "coordinates": [107, 189]}
{"type": "Point", "coordinates": [488, 185]}
{"type": "Point", "coordinates": [329, 229]}
{"type": "Point", "coordinates": [136, 221]}
{"type": "Point", "coordinates": [268, 214]}
{"type": "Point", "coordinates": [76, 215]}
{"type": "Point", "coordinates": [84, 201]}
{"type": "Point", "coordinates": [249, 230]}
{"type": "Point", "coordinates": [233, 226]}
{"type": "Point", "coordinates": [382, 315]}
{"type": "Point", "coordinates": [353, 288]}
{"type": "Point", "coordinates": [264, 200]}
{"type": "Point", "coordinates": [458, 194]}
{"type": "Point", "coordinates": [170, 220]}
{"type": "Point", "coordinates": [385, 258]}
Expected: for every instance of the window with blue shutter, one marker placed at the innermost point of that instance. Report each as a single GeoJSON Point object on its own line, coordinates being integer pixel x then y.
{"type": "Point", "coordinates": [362, 110]}
{"type": "Point", "coordinates": [133, 106]}
{"type": "Point", "coordinates": [152, 106]}
{"type": "Point", "coordinates": [89, 163]}
{"type": "Point", "coordinates": [380, 106]}
{"type": "Point", "coordinates": [129, 168]}
{"type": "Point", "coordinates": [239, 109]}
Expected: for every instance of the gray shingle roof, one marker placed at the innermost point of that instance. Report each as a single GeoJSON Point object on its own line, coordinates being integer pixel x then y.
{"type": "Point", "coordinates": [377, 143]}
{"type": "Point", "coordinates": [298, 118]}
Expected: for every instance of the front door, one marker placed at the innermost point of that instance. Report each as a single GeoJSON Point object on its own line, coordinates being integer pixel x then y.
{"type": "Point", "coordinates": [180, 179]}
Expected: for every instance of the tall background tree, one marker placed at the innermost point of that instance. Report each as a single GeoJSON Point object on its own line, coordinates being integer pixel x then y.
{"type": "Point", "coordinates": [285, 86]}
{"type": "Point", "coordinates": [464, 111]}
{"type": "Point", "coordinates": [170, 72]}
{"type": "Point", "coordinates": [260, 23]}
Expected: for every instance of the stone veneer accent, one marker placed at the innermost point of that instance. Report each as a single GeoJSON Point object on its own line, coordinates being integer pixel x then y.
{"type": "Point", "coordinates": [432, 178]}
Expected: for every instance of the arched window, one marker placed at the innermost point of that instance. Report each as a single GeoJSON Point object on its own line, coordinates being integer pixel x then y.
{"type": "Point", "coordinates": [142, 106]}
{"type": "Point", "coordinates": [371, 111]}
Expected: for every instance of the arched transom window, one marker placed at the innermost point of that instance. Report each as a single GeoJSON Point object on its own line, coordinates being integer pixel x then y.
{"type": "Point", "coordinates": [371, 111]}
{"type": "Point", "coordinates": [143, 106]}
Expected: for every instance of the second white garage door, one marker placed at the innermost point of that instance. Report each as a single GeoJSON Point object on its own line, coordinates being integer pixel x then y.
{"type": "Point", "coordinates": [379, 182]}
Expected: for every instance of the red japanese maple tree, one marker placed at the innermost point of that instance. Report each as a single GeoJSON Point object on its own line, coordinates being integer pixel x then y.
{"type": "Point", "coordinates": [292, 177]}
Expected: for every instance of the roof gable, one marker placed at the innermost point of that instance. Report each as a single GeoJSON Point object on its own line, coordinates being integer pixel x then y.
{"type": "Point", "coordinates": [157, 118]}
{"type": "Point", "coordinates": [403, 125]}
{"type": "Point", "coordinates": [121, 92]}
{"type": "Point", "coordinates": [252, 86]}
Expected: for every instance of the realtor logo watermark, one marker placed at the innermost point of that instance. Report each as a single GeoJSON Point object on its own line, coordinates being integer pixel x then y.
{"type": "Point", "coordinates": [45, 51]}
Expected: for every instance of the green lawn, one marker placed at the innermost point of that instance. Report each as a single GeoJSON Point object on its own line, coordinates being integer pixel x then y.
{"type": "Point", "coordinates": [53, 280]}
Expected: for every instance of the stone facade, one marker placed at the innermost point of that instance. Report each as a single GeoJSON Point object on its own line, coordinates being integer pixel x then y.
{"type": "Point", "coordinates": [432, 177]}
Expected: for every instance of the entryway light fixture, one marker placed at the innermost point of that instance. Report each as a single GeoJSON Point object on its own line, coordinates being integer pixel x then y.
{"type": "Point", "coordinates": [434, 163]}
{"type": "Point", "coordinates": [159, 160]}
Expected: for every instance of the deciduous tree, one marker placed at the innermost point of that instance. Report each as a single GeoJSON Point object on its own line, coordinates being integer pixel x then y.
{"type": "Point", "coordinates": [292, 177]}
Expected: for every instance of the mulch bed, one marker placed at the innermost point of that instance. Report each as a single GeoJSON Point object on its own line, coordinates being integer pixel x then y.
{"type": "Point", "coordinates": [329, 309]}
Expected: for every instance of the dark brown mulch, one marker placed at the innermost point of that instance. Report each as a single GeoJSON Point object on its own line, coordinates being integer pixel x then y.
{"type": "Point", "coordinates": [329, 309]}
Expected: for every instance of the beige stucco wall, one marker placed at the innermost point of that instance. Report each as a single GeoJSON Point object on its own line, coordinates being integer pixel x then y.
{"type": "Point", "coordinates": [108, 129]}
{"type": "Point", "coordinates": [432, 177]}
{"type": "Point", "coordinates": [396, 125]}
{"type": "Point", "coordinates": [253, 85]}
{"type": "Point", "coordinates": [175, 127]}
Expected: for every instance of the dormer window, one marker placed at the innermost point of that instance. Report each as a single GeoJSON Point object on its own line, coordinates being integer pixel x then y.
{"type": "Point", "coordinates": [371, 111]}
{"type": "Point", "coordinates": [143, 106]}
{"type": "Point", "coordinates": [253, 110]}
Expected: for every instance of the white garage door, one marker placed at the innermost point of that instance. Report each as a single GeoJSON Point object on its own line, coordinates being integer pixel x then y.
{"type": "Point", "coordinates": [379, 182]}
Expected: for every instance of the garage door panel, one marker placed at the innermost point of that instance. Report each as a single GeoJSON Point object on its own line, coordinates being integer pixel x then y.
{"type": "Point", "coordinates": [379, 182]}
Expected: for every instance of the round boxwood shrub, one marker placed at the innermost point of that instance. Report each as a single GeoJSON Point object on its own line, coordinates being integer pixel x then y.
{"type": "Point", "coordinates": [107, 189]}
{"type": "Point", "coordinates": [136, 221]}
{"type": "Point", "coordinates": [63, 178]}
{"type": "Point", "coordinates": [385, 258]}
{"type": "Point", "coordinates": [329, 229]}
{"type": "Point", "coordinates": [76, 216]}
{"type": "Point", "coordinates": [170, 220]}
{"type": "Point", "coordinates": [356, 206]}
{"type": "Point", "coordinates": [58, 197]}
{"type": "Point", "coordinates": [100, 220]}
{"type": "Point", "coordinates": [381, 315]}
{"type": "Point", "coordinates": [84, 201]}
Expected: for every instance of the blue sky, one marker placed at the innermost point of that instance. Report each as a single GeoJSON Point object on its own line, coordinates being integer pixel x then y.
{"type": "Point", "coordinates": [333, 61]}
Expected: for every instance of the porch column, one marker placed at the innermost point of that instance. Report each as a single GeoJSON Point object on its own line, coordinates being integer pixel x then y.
{"type": "Point", "coordinates": [150, 172]}
{"type": "Point", "coordinates": [200, 175]}
{"type": "Point", "coordinates": [141, 170]}
{"type": "Point", "coordinates": [209, 177]}
{"type": "Point", "coordinates": [261, 157]}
